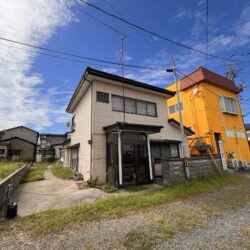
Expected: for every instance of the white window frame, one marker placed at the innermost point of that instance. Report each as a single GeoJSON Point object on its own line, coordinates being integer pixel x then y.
{"type": "Point", "coordinates": [151, 107]}
{"type": "Point", "coordinates": [175, 108]}
{"type": "Point", "coordinates": [228, 105]}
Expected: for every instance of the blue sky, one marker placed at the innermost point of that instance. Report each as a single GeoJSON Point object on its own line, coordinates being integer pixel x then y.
{"type": "Point", "coordinates": [35, 89]}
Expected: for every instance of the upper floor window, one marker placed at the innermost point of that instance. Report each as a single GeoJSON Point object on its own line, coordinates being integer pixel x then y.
{"type": "Point", "coordinates": [228, 105]}
{"type": "Point", "coordinates": [73, 123]}
{"type": "Point", "coordinates": [174, 108]}
{"type": "Point", "coordinates": [43, 143]}
{"type": "Point", "coordinates": [133, 106]}
{"type": "Point", "coordinates": [102, 97]}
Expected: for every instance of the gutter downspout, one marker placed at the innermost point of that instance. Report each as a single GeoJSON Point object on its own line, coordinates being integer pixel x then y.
{"type": "Point", "coordinates": [91, 131]}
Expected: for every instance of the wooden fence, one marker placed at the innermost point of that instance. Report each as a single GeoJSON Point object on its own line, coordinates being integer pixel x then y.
{"type": "Point", "coordinates": [9, 184]}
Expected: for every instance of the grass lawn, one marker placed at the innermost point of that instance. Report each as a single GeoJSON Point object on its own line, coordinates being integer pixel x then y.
{"type": "Point", "coordinates": [35, 173]}
{"type": "Point", "coordinates": [7, 168]}
{"type": "Point", "coordinates": [61, 172]}
{"type": "Point", "coordinates": [115, 206]}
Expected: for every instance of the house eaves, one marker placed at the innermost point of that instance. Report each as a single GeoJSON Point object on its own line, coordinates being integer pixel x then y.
{"type": "Point", "coordinates": [115, 78]}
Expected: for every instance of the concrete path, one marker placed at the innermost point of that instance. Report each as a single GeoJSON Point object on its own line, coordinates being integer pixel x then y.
{"type": "Point", "coordinates": [51, 193]}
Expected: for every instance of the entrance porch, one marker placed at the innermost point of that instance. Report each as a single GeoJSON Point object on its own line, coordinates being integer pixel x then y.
{"type": "Point", "coordinates": [128, 153]}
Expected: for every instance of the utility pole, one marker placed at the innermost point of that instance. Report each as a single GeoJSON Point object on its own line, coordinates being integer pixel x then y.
{"type": "Point", "coordinates": [183, 142]}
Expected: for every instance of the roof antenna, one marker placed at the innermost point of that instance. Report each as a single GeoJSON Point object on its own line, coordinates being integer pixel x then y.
{"type": "Point", "coordinates": [122, 68]}
{"type": "Point", "coordinates": [206, 31]}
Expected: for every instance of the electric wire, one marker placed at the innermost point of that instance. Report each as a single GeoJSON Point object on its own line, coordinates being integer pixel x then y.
{"type": "Point", "coordinates": [77, 56]}
{"type": "Point", "coordinates": [153, 33]}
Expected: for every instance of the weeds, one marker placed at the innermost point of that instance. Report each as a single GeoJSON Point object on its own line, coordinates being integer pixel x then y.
{"type": "Point", "coordinates": [7, 168]}
{"type": "Point", "coordinates": [62, 172]}
{"type": "Point", "coordinates": [35, 172]}
{"type": "Point", "coordinates": [115, 206]}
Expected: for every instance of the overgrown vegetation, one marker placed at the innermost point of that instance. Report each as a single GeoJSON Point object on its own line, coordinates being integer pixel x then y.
{"type": "Point", "coordinates": [35, 172]}
{"type": "Point", "coordinates": [103, 186]}
{"type": "Point", "coordinates": [133, 189]}
{"type": "Point", "coordinates": [115, 206]}
{"type": "Point", "coordinates": [62, 172]}
{"type": "Point", "coordinates": [7, 168]}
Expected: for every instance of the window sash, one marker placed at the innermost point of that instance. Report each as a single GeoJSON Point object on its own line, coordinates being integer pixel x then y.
{"type": "Point", "coordinates": [102, 97]}
{"type": "Point", "coordinates": [141, 107]}
{"type": "Point", "coordinates": [174, 108]}
{"type": "Point", "coordinates": [151, 109]}
{"type": "Point", "coordinates": [130, 106]}
{"type": "Point", "coordinates": [134, 106]}
{"type": "Point", "coordinates": [117, 103]}
{"type": "Point", "coordinates": [228, 105]}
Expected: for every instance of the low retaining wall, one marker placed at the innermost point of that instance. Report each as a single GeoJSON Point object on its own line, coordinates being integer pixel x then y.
{"type": "Point", "coordinates": [173, 169]}
{"type": "Point", "coordinates": [13, 179]}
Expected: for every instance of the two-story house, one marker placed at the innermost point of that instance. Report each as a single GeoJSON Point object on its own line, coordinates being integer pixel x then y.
{"type": "Point", "coordinates": [210, 107]}
{"type": "Point", "coordinates": [50, 146]}
{"type": "Point", "coordinates": [119, 129]}
{"type": "Point", "coordinates": [18, 143]}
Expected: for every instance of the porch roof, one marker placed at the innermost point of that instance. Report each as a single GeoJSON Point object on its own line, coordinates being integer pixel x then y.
{"type": "Point", "coordinates": [152, 129]}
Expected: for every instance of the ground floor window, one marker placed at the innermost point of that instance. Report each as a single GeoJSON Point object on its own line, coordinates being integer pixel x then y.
{"type": "Point", "coordinates": [162, 151]}
{"type": "Point", "coordinates": [74, 158]}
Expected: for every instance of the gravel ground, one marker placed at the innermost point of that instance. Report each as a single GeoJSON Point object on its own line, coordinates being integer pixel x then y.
{"type": "Point", "coordinates": [231, 231]}
{"type": "Point", "coordinates": [218, 220]}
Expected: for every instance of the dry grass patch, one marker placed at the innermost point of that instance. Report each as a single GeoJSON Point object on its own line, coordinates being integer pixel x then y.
{"type": "Point", "coordinates": [7, 168]}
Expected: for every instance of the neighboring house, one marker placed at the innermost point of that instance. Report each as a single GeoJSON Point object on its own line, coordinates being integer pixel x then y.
{"type": "Point", "coordinates": [65, 150]}
{"type": "Point", "coordinates": [116, 141]}
{"type": "Point", "coordinates": [210, 107]}
{"type": "Point", "coordinates": [247, 127]}
{"type": "Point", "coordinates": [18, 143]}
{"type": "Point", "coordinates": [50, 146]}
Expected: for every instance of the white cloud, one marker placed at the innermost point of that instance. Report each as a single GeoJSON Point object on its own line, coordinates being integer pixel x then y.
{"type": "Point", "coordinates": [126, 56]}
{"type": "Point", "coordinates": [33, 22]}
{"type": "Point", "coordinates": [183, 13]}
{"type": "Point", "coordinates": [225, 43]}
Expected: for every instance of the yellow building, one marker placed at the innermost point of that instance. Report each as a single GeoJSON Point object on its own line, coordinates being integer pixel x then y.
{"type": "Point", "coordinates": [210, 107]}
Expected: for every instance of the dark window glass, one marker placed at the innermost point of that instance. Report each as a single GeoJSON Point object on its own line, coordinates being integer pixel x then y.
{"type": "Point", "coordinates": [151, 109]}
{"type": "Point", "coordinates": [130, 106]}
{"type": "Point", "coordinates": [141, 107]}
{"type": "Point", "coordinates": [117, 103]}
{"type": "Point", "coordinates": [174, 150]}
{"type": "Point", "coordinates": [133, 106]}
{"type": "Point", "coordinates": [165, 151]}
{"type": "Point", "coordinates": [102, 97]}
{"type": "Point", "coordinates": [73, 124]}
{"type": "Point", "coordinates": [2, 151]}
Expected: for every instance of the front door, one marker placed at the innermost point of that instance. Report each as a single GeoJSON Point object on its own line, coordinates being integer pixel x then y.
{"type": "Point", "coordinates": [135, 163]}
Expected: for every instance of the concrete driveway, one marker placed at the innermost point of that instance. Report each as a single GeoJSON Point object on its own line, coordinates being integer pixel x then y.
{"type": "Point", "coordinates": [51, 193]}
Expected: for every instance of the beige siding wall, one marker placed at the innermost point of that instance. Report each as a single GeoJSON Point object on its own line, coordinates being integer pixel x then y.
{"type": "Point", "coordinates": [103, 116]}
{"type": "Point", "coordinates": [82, 133]}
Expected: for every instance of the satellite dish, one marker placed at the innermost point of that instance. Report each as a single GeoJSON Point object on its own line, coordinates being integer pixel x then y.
{"type": "Point", "coordinates": [67, 124]}
{"type": "Point", "coordinates": [195, 91]}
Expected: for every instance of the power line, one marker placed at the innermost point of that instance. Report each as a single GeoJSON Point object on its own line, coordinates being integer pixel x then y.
{"type": "Point", "coordinates": [50, 55]}
{"type": "Point", "coordinates": [77, 56]}
{"type": "Point", "coordinates": [101, 22]}
{"type": "Point", "coordinates": [153, 33]}
{"type": "Point", "coordinates": [122, 16]}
